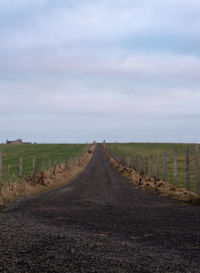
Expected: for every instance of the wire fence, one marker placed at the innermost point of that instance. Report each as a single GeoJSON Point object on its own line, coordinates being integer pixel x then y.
{"type": "Point", "coordinates": [180, 168]}
{"type": "Point", "coordinates": [27, 168]}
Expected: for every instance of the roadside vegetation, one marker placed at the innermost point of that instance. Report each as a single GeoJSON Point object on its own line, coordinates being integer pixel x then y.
{"type": "Point", "coordinates": [129, 151]}
{"type": "Point", "coordinates": [46, 156]}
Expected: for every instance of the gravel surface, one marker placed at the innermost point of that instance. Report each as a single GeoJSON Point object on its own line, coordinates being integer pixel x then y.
{"type": "Point", "coordinates": [99, 223]}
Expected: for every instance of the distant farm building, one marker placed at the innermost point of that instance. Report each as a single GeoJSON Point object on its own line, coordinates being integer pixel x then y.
{"type": "Point", "coordinates": [17, 141]}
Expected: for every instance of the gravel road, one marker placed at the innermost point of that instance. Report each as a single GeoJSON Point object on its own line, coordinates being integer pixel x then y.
{"type": "Point", "coordinates": [99, 223]}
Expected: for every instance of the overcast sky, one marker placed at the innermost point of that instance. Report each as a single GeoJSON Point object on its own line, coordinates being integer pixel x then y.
{"type": "Point", "coordinates": [120, 70]}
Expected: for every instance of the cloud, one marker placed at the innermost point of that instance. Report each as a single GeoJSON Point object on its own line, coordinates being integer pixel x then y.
{"type": "Point", "coordinates": [97, 68]}
{"type": "Point", "coordinates": [101, 115]}
{"type": "Point", "coordinates": [160, 68]}
{"type": "Point", "coordinates": [66, 23]}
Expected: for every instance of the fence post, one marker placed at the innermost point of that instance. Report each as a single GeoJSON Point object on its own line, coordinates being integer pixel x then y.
{"type": "Point", "coordinates": [187, 168]}
{"type": "Point", "coordinates": [1, 168]}
{"type": "Point", "coordinates": [33, 167]}
{"type": "Point", "coordinates": [127, 161]}
{"type": "Point", "coordinates": [118, 159]}
{"type": "Point", "coordinates": [55, 162]}
{"type": "Point", "coordinates": [197, 186]}
{"type": "Point", "coordinates": [49, 163]}
{"type": "Point", "coordinates": [9, 178]}
{"type": "Point", "coordinates": [175, 168]}
{"type": "Point", "coordinates": [157, 168]}
{"type": "Point", "coordinates": [20, 168]}
{"type": "Point", "coordinates": [123, 160]}
{"type": "Point", "coordinates": [164, 166]}
{"type": "Point", "coordinates": [146, 165]}
{"type": "Point", "coordinates": [151, 165]}
{"type": "Point", "coordinates": [42, 164]}
{"type": "Point", "coordinates": [130, 162]}
{"type": "Point", "coordinates": [136, 163]}
{"type": "Point", "coordinates": [139, 164]}
{"type": "Point", "coordinates": [142, 164]}
{"type": "Point", "coordinates": [132, 159]}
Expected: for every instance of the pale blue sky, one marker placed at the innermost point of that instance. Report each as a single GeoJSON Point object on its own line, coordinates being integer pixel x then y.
{"type": "Point", "coordinates": [74, 71]}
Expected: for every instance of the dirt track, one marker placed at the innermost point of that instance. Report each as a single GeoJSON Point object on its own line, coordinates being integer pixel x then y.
{"type": "Point", "coordinates": [99, 223]}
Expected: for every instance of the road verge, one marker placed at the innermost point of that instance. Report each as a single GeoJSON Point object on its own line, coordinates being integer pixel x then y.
{"type": "Point", "coordinates": [158, 187]}
{"type": "Point", "coordinates": [46, 180]}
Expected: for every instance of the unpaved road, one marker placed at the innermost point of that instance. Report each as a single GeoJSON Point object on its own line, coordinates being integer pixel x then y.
{"type": "Point", "coordinates": [99, 223]}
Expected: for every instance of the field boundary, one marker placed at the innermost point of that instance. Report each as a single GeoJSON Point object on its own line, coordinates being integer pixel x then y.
{"type": "Point", "coordinates": [45, 180]}
{"type": "Point", "coordinates": [20, 165]}
{"type": "Point", "coordinates": [152, 184]}
{"type": "Point", "coordinates": [177, 164]}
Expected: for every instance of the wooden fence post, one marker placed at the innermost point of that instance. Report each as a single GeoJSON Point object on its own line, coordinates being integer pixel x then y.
{"type": "Point", "coordinates": [9, 178]}
{"type": "Point", "coordinates": [197, 185]}
{"type": "Point", "coordinates": [20, 168]}
{"type": "Point", "coordinates": [139, 164]}
{"type": "Point", "coordinates": [175, 168]}
{"type": "Point", "coordinates": [164, 166]}
{"type": "Point", "coordinates": [187, 168]}
{"type": "Point", "coordinates": [132, 160]}
{"type": "Point", "coordinates": [49, 163]}
{"type": "Point", "coordinates": [55, 162]}
{"type": "Point", "coordinates": [123, 160]}
{"type": "Point", "coordinates": [146, 165]}
{"type": "Point", "coordinates": [136, 163]}
{"type": "Point", "coordinates": [151, 165]}
{"type": "Point", "coordinates": [42, 164]}
{"type": "Point", "coordinates": [33, 167]}
{"type": "Point", "coordinates": [157, 168]}
{"type": "Point", "coordinates": [142, 165]}
{"type": "Point", "coordinates": [1, 168]}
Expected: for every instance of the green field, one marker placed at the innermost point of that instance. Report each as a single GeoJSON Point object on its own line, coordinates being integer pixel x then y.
{"type": "Point", "coordinates": [42, 153]}
{"type": "Point", "coordinates": [131, 150]}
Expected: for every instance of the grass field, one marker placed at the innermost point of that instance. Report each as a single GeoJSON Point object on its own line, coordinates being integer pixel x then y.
{"type": "Point", "coordinates": [153, 149]}
{"type": "Point", "coordinates": [58, 152]}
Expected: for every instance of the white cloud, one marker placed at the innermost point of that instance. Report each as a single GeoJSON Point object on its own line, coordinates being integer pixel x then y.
{"type": "Point", "coordinates": [74, 64]}
{"type": "Point", "coordinates": [98, 21]}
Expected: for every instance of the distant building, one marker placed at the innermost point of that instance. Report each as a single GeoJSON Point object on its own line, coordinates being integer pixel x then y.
{"type": "Point", "coordinates": [17, 141]}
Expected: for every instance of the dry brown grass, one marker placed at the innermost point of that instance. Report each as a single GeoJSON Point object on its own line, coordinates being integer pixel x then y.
{"type": "Point", "coordinates": [151, 184]}
{"type": "Point", "coordinates": [46, 180]}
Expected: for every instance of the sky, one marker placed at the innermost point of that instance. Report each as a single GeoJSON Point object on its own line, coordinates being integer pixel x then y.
{"type": "Point", "coordinates": [114, 70]}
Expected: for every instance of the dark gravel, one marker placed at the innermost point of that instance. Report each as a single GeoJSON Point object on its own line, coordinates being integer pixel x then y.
{"type": "Point", "coordinates": [99, 223]}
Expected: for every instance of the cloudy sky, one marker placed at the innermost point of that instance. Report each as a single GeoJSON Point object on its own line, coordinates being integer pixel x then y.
{"type": "Point", "coordinates": [120, 70]}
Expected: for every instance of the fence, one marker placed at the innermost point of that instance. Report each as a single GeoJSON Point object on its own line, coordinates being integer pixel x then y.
{"type": "Point", "coordinates": [23, 168]}
{"type": "Point", "coordinates": [176, 167]}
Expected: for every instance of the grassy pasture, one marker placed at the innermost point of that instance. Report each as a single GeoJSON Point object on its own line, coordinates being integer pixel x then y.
{"type": "Point", "coordinates": [58, 152]}
{"type": "Point", "coordinates": [129, 150]}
